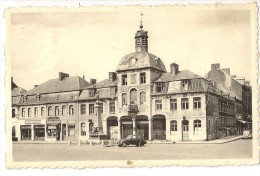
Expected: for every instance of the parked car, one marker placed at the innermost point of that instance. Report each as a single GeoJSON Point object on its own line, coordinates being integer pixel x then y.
{"type": "Point", "coordinates": [132, 140]}
{"type": "Point", "coordinates": [247, 134]}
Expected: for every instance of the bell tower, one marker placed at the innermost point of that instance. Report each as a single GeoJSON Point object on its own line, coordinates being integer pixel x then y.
{"type": "Point", "coordinates": [141, 39]}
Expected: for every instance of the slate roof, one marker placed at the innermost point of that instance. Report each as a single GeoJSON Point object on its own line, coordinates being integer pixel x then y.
{"type": "Point", "coordinates": [55, 85]}
{"type": "Point", "coordinates": [18, 91]}
{"type": "Point", "coordinates": [185, 74]}
{"type": "Point", "coordinates": [143, 60]}
{"type": "Point", "coordinates": [103, 84]}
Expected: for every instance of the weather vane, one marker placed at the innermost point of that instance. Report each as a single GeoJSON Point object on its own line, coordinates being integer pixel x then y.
{"type": "Point", "coordinates": [141, 24]}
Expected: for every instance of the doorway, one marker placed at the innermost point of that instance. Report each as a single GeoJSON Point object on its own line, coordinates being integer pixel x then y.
{"type": "Point", "coordinates": [185, 130]}
{"type": "Point", "coordinates": [26, 132]}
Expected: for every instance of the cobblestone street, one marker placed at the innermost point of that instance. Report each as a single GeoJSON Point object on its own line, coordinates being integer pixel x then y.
{"type": "Point", "coordinates": [240, 149]}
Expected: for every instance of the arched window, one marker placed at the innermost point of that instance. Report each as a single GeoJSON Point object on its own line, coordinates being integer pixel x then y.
{"type": "Point", "coordinates": [83, 129]}
{"type": "Point", "coordinates": [49, 111]}
{"type": "Point", "coordinates": [29, 112]}
{"type": "Point", "coordinates": [142, 97]}
{"type": "Point", "coordinates": [63, 110]}
{"type": "Point", "coordinates": [133, 96]}
{"type": "Point", "coordinates": [124, 99]}
{"type": "Point", "coordinates": [71, 110]}
{"type": "Point", "coordinates": [42, 111]}
{"type": "Point", "coordinates": [57, 111]}
{"type": "Point", "coordinates": [23, 112]}
{"type": "Point", "coordinates": [197, 126]}
{"type": "Point", "coordinates": [173, 126]}
{"type": "Point", "coordinates": [36, 112]}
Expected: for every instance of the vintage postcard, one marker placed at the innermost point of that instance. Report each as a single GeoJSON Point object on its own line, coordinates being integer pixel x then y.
{"type": "Point", "coordinates": [132, 86]}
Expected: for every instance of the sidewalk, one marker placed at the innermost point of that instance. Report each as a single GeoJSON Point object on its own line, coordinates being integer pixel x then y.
{"type": "Point", "coordinates": [216, 141]}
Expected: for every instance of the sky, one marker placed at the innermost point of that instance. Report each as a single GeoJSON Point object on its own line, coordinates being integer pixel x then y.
{"type": "Point", "coordinates": [91, 41]}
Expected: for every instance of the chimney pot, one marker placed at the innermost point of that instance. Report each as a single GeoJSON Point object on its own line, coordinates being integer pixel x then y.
{"type": "Point", "coordinates": [215, 66]}
{"type": "Point", "coordinates": [226, 70]}
{"type": "Point", "coordinates": [174, 68]}
{"type": "Point", "coordinates": [93, 81]}
{"type": "Point", "coordinates": [112, 76]}
{"type": "Point", "coordinates": [62, 76]}
{"type": "Point", "coordinates": [36, 86]}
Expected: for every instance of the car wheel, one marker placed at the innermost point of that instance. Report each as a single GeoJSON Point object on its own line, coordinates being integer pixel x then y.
{"type": "Point", "coordinates": [142, 144]}
{"type": "Point", "coordinates": [124, 144]}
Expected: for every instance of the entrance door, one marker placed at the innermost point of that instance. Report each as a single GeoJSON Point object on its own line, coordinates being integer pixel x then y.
{"type": "Point", "coordinates": [185, 130]}
{"type": "Point", "coordinates": [127, 129]}
{"type": "Point", "coordinates": [26, 134]}
{"type": "Point", "coordinates": [159, 129]}
{"type": "Point", "coordinates": [63, 131]}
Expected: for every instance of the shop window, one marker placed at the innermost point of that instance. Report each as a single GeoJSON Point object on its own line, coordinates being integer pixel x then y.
{"type": "Point", "coordinates": [124, 80]}
{"type": "Point", "coordinates": [52, 130]}
{"type": "Point", "coordinates": [142, 97]}
{"type": "Point", "coordinates": [197, 126]}
{"type": "Point", "coordinates": [142, 78]}
{"type": "Point", "coordinates": [63, 110]}
{"type": "Point", "coordinates": [91, 109]}
{"type": "Point", "coordinates": [173, 104]}
{"type": "Point", "coordinates": [184, 103]}
{"type": "Point", "coordinates": [196, 103]}
{"type": "Point", "coordinates": [101, 107]}
{"type": "Point", "coordinates": [49, 111]}
{"type": "Point", "coordinates": [71, 130]}
{"type": "Point", "coordinates": [112, 107]}
{"type": "Point", "coordinates": [124, 99]}
{"type": "Point", "coordinates": [57, 111]}
{"type": "Point", "coordinates": [83, 109]}
{"type": "Point", "coordinates": [173, 126]}
{"type": "Point", "coordinates": [83, 129]}
{"type": "Point", "coordinates": [158, 104]}
{"type": "Point", "coordinates": [42, 111]}
{"type": "Point", "coordinates": [71, 110]}
{"type": "Point", "coordinates": [29, 112]}
{"type": "Point", "coordinates": [36, 112]}
{"type": "Point", "coordinates": [23, 112]}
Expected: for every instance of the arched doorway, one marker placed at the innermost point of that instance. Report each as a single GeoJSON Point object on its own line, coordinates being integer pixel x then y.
{"type": "Point", "coordinates": [159, 127]}
{"type": "Point", "coordinates": [185, 129]}
{"type": "Point", "coordinates": [112, 127]}
{"type": "Point", "coordinates": [133, 96]}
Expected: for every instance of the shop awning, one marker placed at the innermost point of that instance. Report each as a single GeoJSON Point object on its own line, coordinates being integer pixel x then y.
{"type": "Point", "coordinates": [53, 120]}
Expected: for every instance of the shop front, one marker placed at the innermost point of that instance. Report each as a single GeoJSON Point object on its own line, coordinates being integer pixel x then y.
{"type": "Point", "coordinates": [39, 132]}
{"type": "Point", "coordinates": [53, 126]}
{"type": "Point", "coordinates": [26, 132]}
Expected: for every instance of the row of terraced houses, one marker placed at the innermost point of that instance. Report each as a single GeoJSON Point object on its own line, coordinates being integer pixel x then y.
{"type": "Point", "coordinates": [140, 97]}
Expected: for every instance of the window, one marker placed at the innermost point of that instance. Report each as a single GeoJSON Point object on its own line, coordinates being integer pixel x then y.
{"type": "Point", "coordinates": [173, 126]}
{"type": "Point", "coordinates": [185, 84]}
{"type": "Point", "coordinates": [173, 104]}
{"type": "Point", "coordinates": [197, 126]}
{"type": "Point", "coordinates": [92, 92]}
{"type": "Point", "coordinates": [38, 98]}
{"type": "Point", "coordinates": [124, 99]}
{"type": "Point", "coordinates": [158, 104]}
{"type": "Point", "coordinates": [124, 80]}
{"type": "Point", "coordinates": [159, 87]}
{"type": "Point", "coordinates": [83, 129]}
{"type": "Point", "coordinates": [23, 112]}
{"type": "Point", "coordinates": [57, 111]}
{"type": "Point", "coordinates": [42, 111]}
{"type": "Point", "coordinates": [133, 96]}
{"type": "Point", "coordinates": [142, 78]}
{"type": "Point", "coordinates": [196, 103]}
{"type": "Point", "coordinates": [63, 110]}
{"type": "Point", "coordinates": [91, 108]}
{"type": "Point", "coordinates": [36, 112]}
{"type": "Point", "coordinates": [29, 112]}
{"type": "Point", "coordinates": [13, 113]}
{"type": "Point", "coordinates": [101, 107]}
{"type": "Point", "coordinates": [112, 107]}
{"type": "Point", "coordinates": [142, 97]}
{"type": "Point", "coordinates": [49, 111]}
{"type": "Point", "coordinates": [184, 103]}
{"type": "Point", "coordinates": [71, 110]}
{"type": "Point", "coordinates": [83, 109]}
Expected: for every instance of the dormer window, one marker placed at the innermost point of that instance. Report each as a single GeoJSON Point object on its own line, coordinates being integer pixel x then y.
{"type": "Point", "coordinates": [159, 87]}
{"type": "Point", "coordinates": [185, 84]}
{"type": "Point", "coordinates": [24, 98]}
{"type": "Point", "coordinates": [37, 98]}
{"type": "Point", "coordinates": [92, 92]}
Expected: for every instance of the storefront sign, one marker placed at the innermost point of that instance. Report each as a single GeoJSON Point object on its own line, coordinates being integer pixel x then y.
{"type": "Point", "coordinates": [32, 121]}
{"type": "Point", "coordinates": [71, 122]}
{"type": "Point", "coordinates": [53, 121]}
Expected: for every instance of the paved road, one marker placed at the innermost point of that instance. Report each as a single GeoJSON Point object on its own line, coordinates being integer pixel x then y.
{"type": "Point", "coordinates": [58, 152]}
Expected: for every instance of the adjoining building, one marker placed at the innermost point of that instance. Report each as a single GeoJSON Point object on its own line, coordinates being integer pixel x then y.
{"type": "Point", "coordinates": [140, 97]}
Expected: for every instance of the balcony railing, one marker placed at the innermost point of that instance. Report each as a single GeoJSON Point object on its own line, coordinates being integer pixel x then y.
{"type": "Point", "coordinates": [133, 108]}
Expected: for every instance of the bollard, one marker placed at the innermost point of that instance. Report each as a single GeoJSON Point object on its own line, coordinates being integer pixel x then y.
{"type": "Point", "coordinates": [79, 143]}
{"type": "Point", "coordinates": [69, 143]}
{"type": "Point", "coordinates": [102, 142]}
{"type": "Point", "coordinates": [90, 143]}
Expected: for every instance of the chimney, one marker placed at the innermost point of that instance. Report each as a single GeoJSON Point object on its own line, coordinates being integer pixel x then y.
{"type": "Point", "coordinates": [241, 80]}
{"type": "Point", "coordinates": [226, 70]}
{"type": "Point", "coordinates": [112, 76]}
{"type": "Point", "coordinates": [36, 86]}
{"type": "Point", "coordinates": [174, 68]}
{"type": "Point", "coordinates": [233, 76]}
{"type": "Point", "coordinates": [92, 81]}
{"type": "Point", "coordinates": [215, 66]}
{"type": "Point", "coordinates": [63, 75]}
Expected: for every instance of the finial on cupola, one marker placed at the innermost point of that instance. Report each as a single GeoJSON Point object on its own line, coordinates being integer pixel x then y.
{"type": "Point", "coordinates": [141, 21]}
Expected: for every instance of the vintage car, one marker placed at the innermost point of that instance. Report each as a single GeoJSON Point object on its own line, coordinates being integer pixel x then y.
{"type": "Point", "coordinates": [132, 140]}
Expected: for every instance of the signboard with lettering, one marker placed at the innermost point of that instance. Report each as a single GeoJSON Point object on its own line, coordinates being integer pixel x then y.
{"type": "Point", "coordinates": [32, 121]}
